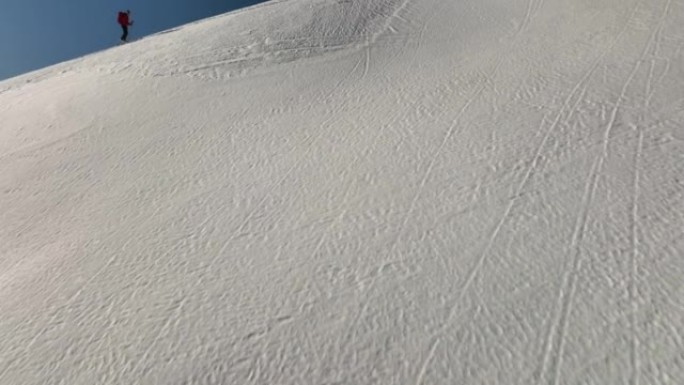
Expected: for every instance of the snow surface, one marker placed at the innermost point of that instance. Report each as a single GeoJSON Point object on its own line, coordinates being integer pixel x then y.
{"type": "Point", "coordinates": [353, 192]}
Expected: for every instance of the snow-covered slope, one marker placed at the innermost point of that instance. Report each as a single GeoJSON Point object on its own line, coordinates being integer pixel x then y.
{"type": "Point", "coordinates": [353, 192]}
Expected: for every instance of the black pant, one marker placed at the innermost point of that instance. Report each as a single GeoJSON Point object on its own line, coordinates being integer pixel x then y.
{"type": "Point", "coordinates": [125, 32]}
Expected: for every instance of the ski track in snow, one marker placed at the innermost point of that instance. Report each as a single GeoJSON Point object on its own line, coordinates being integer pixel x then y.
{"type": "Point", "coordinates": [352, 192]}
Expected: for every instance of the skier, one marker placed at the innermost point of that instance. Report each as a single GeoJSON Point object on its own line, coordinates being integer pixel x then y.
{"type": "Point", "coordinates": [124, 21]}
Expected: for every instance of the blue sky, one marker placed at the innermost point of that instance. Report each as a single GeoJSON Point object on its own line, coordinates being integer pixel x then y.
{"type": "Point", "coordinates": [38, 33]}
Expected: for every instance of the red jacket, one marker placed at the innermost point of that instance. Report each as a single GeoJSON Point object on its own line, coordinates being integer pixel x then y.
{"type": "Point", "coordinates": [123, 19]}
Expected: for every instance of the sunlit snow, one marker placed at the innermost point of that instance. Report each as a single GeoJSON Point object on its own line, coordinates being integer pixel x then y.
{"type": "Point", "coordinates": [353, 192]}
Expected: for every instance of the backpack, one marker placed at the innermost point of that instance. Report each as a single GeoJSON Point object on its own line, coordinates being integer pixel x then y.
{"type": "Point", "coordinates": [122, 18]}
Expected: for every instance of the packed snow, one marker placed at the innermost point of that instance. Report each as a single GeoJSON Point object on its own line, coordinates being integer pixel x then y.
{"type": "Point", "coordinates": [353, 192]}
